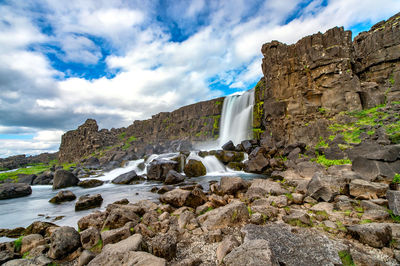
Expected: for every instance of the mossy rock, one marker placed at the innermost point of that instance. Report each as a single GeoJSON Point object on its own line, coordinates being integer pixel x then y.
{"type": "Point", "coordinates": [194, 168]}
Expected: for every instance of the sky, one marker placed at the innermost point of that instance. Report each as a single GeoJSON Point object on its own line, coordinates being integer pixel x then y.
{"type": "Point", "coordinates": [117, 61]}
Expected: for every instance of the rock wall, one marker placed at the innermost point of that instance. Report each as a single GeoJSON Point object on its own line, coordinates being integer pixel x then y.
{"type": "Point", "coordinates": [23, 160]}
{"type": "Point", "coordinates": [308, 83]}
{"type": "Point", "coordinates": [193, 123]}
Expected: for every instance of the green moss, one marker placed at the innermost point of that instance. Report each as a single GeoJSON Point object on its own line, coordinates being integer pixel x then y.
{"type": "Point", "coordinates": [341, 227]}
{"type": "Point", "coordinates": [131, 138]}
{"type": "Point", "coordinates": [132, 230]}
{"type": "Point", "coordinates": [249, 210]}
{"type": "Point", "coordinates": [122, 135]}
{"type": "Point", "coordinates": [206, 210]}
{"type": "Point", "coordinates": [327, 163]}
{"type": "Point", "coordinates": [321, 143]}
{"type": "Point", "coordinates": [323, 214]}
{"type": "Point", "coordinates": [234, 215]}
{"type": "Point", "coordinates": [97, 248]}
{"type": "Point", "coordinates": [105, 229]}
{"type": "Point", "coordinates": [396, 179]}
{"type": "Point", "coordinates": [218, 102]}
{"type": "Point", "coordinates": [257, 133]}
{"type": "Point", "coordinates": [394, 217]}
{"type": "Point", "coordinates": [289, 196]}
{"type": "Point", "coordinates": [322, 110]}
{"type": "Point", "coordinates": [346, 258]}
{"type": "Point", "coordinates": [366, 221]}
{"type": "Point", "coordinates": [18, 244]}
{"type": "Point", "coordinates": [26, 255]}
{"type": "Point", "coordinates": [35, 169]}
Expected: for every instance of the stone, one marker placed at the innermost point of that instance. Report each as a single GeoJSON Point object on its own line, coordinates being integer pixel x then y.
{"type": "Point", "coordinates": [158, 169]}
{"type": "Point", "coordinates": [63, 242]}
{"type": "Point", "coordinates": [179, 197]}
{"type": "Point", "coordinates": [62, 196]}
{"type": "Point", "coordinates": [44, 179]}
{"type": "Point", "coordinates": [231, 185]}
{"type": "Point", "coordinates": [26, 179]}
{"type": "Point", "coordinates": [374, 151]}
{"type": "Point", "coordinates": [89, 183]}
{"type": "Point", "coordinates": [247, 146]}
{"type": "Point", "coordinates": [257, 162]}
{"type": "Point", "coordinates": [226, 246]}
{"type": "Point", "coordinates": [127, 179]}
{"type": "Point", "coordinates": [39, 227]}
{"type": "Point", "coordinates": [14, 190]}
{"type": "Point", "coordinates": [376, 235]}
{"type": "Point", "coordinates": [372, 170]}
{"type": "Point", "coordinates": [95, 219]}
{"type": "Point", "coordinates": [173, 177]}
{"type": "Point", "coordinates": [116, 235]}
{"type": "Point", "coordinates": [278, 201]}
{"type": "Point", "coordinates": [119, 215]}
{"type": "Point", "coordinates": [194, 168]}
{"type": "Point", "coordinates": [128, 258]}
{"type": "Point", "coordinates": [164, 246]}
{"type": "Point", "coordinates": [393, 197]}
{"type": "Point", "coordinates": [7, 255]}
{"type": "Point", "coordinates": [229, 156]}
{"type": "Point", "coordinates": [362, 189]}
{"type": "Point", "coordinates": [325, 187]}
{"type": "Point", "coordinates": [261, 188]}
{"type": "Point", "coordinates": [257, 218]}
{"type": "Point", "coordinates": [88, 202]}
{"type": "Point", "coordinates": [229, 146]}
{"type": "Point", "coordinates": [36, 261]}
{"type": "Point", "coordinates": [235, 213]}
{"type": "Point", "coordinates": [298, 218]}
{"type": "Point", "coordinates": [308, 169]}
{"type": "Point", "coordinates": [85, 257]}
{"type": "Point", "coordinates": [263, 206]}
{"type": "Point", "coordinates": [297, 198]}
{"type": "Point", "coordinates": [64, 178]}
{"type": "Point", "coordinates": [31, 241]}
{"type": "Point", "coordinates": [217, 200]}
{"type": "Point", "coordinates": [90, 237]}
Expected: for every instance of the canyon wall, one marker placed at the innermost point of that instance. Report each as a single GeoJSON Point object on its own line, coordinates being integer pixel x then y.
{"type": "Point", "coordinates": [306, 84]}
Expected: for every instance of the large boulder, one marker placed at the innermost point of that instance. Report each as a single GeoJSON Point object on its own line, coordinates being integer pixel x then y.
{"type": "Point", "coordinates": [90, 237]}
{"type": "Point", "coordinates": [63, 241]}
{"type": "Point", "coordinates": [363, 189]}
{"type": "Point", "coordinates": [278, 244]}
{"type": "Point", "coordinates": [163, 245]}
{"type": "Point", "coordinates": [158, 169]}
{"type": "Point", "coordinates": [26, 178]}
{"type": "Point", "coordinates": [88, 202]}
{"type": "Point", "coordinates": [128, 258]}
{"type": "Point", "coordinates": [261, 188]}
{"type": "Point", "coordinates": [116, 235]}
{"type": "Point", "coordinates": [393, 197]}
{"type": "Point", "coordinates": [326, 187]}
{"type": "Point", "coordinates": [376, 235]}
{"type": "Point", "coordinates": [180, 197]}
{"type": "Point", "coordinates": [194, 168]}
{"type": "Point", "coordinates": [173, 177]}
{"type": "Point", "coordinates": [31, 241]}
{"type": "Point", "coordinates": [128, 178]}
{"type": "Point", "coordinates": [63, 195]}
{"type": "Point", "coordinates": [14, 190]}
{"type": "Point", "coordinates": [257, 162]}
{"type": "Point", "coordinates": [226, 246]}
{"type": "Point", "coordinates": [44, 179]}
{"type": "Point", "coordinates": [229, 156]}
{"type": "Point", "coordinates": [235, 213]}
{"type": "Point", "coordinates": [229, 146]}
{"type": "Point", "coordinates": [89, 183]}
{"type": "Point", "coordinates": [64, 178]}
{"type": "Point", "coordinates": [39, 227]}
{"type": "Point", "coordinates": [119, 215]}
{"type": "Point", "coordinates": [95, 219]}
{"type": "Point", "coordinates": [372, 170]}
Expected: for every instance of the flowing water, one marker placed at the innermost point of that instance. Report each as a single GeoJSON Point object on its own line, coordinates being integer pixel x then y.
{"type": "Point", "coordinates": [237, 118]}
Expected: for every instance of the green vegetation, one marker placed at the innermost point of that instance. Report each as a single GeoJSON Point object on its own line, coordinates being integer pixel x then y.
{"type": "Point", "coordinates": [366, 221]}
{"type": "Point", "coordinates": [346, 258]}
{"type": "Point", "coordinates": [18, 244]}
{"type": "Point", "coordinates": [97, 248]}
{"type": "Point", "coordinates": [257, 132]}
{"type": "Point", "coordinates": [234, 215]}
{"type": "Point", "coordinates": [327, 163]}
{"type": "Point", "coordinates": [395, 218]}
{"type": "Point", "coordinates": [396, 179]}
{"type": "Point", "coordinates": [206, 210]}
{"type": "Point", "coordinates": [289, 196]}
{"type": "Point", "coordinates": [26, 255]}
{"type": "Point", "coordinates": [321, 143]}
{"type": "Point", "coordinates": [218, 102]}
{"type": "Point", "coordinates": [249, 210]}
{"type": "Point", "coordinates": [322, 110]}
{"type": "Point", "coordinates": [105, 229]}
{"type": "Point", "coordinates": [341, 227]}
{"type": "Point", "coordinates": [122, 135]}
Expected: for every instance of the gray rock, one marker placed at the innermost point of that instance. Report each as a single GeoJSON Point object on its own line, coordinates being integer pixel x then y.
{"type": "Point", "coordinates": [173, 177]}
{"type": "Point", "coordinates": [158, 169]}
{"type": "Point", "coordinates": [89, 183]}
{"type": "Point", "coordinates": [393, 197]}
{"type": "Point", "coordinates": [85, 257]}
{"type": "Point", "coordinates": [229, 146]}
{"type": "Point", "coordinates": [26, 179]}
{"type": "Point", "coordinates": [44, 179]}
{"type": "Point", "coordinates": [231, 185]}
{"type": "Point", "coordinates": [115, 235]}
{"type": "Point", "coordinates": [138, 258]}
{"type": "Point", "coordinates": [7, 255]}
{"type": "Point", "coordinates": [179, 197]}
{"type": "Point", "coordinates": [90, 237]}
{"type": "Point", "coordinates": [63, 241]}
{"type": "Point", "coordinates": [63, 195]}
{"type": "Point", "coordinates": [376, 235]}
{"type": "Point", "coordinates": [127, 178]}
{"type": "Point", "coordinates": [37, 261]}
{"type": "Point", "coordinates": [64, 178]}
{"type": "Point", "coordinates": [163, 245]}
{"type": "Point", "coordinates": [95, 219]}
{"type": "Point", "coordinates": [298, 218]}
{"type": "Point", "coordinates": [119, 215]}
{"type": "Point", "coordinates": [362, 189]}
{"type": "Point", "coordinates": [194, 168]}
{"type": "Point", "coordinates": [226, 246]}
{"type": "Point", "coordinates": [257, 162]}
{"type": "Point", "coordinates": [14, 190]}
{"type": "Point", "coordinates": [371, 170]}
{"type": "Point", "coordinates": [261, 188]}
{"type": "Point", "coordinates": [326, 187]}
{"type": "Point", "coordinates": [88, 202]}
{"type": "Point", "coordinates": [31, 241]}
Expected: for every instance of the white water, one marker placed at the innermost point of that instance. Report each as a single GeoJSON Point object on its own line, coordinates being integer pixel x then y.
{"type": "Point", "coordinates": [212, 164]}
{"type": "Point", "coordinates": [237, 118]}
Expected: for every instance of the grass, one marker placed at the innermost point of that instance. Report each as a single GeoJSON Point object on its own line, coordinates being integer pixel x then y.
{"type": "Point", "coordinates": [366, 221]}
{"type": "Point", "coordinates": [18, 244]}
{"type": "Point", "coordinates": [327, 163]}
{"type": "Point", "coordinates": [395, 218]}
{"type": "Point", "coordinates": [249, 210]}
{"type": "Point", "coordinates": [206, 210]}
{"type": "Point", "coordinates": [346, 258]}
{"type": "Point", "coordinates": [97, 248]}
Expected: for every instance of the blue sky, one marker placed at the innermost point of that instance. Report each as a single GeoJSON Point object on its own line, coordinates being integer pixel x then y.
{"type": "Point", "coordinates": [117, 61]}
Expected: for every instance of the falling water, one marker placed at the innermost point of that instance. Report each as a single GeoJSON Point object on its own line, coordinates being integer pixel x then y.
{"type": "Point", "coordinates": [237, 118]}
{"type": "Point", "coordinates": [212, 164]}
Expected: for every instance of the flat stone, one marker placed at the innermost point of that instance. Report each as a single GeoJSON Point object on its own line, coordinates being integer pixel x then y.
{"type": "Point", "coordinates": [376, 235]}
{"type": "Point", "coordinates": [14, 190]}
{"type": "Point", "coordinates": [362, 189]}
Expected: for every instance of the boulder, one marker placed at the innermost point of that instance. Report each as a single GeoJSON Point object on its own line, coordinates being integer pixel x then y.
{"type": "Point", "coordinates": [194, 168]}
{"type": "Point", "coordinates": [374, 151]}
{"type": "Point", "coordinates": [257, 162]}
{"type": "Point", "coordinates": [85, 257]}
{"type": "Point", "coordinates": [393, 197]}
{"type": "Point", "coordinates": [128, 258]}
{"type": "Point", "coordinates": [63, 195]}
{"type": "Point", "coordinates": [229, 146]}
{"type": "Point", "coordinates": [44, 179]}
{"type": "Point", "coordinates": [89, 183]}
{"type": "Point", "coordinates": [63, 242]}
{"type": "Point", "coordinates": [39, 227]}
{"type": "Point", "coordinates": [280, 244]}
{"type": "Point", "coordinates": [64, 178]}
{"type": "Point", "coordinates": [36, 261]}
{"type": "Point", "coordinates": [247, 146]}
{"type": "Point", "coordinates": [298, 218]}
{"type": "Point", "coordinates": [231, 185]}
{"type": "Point", "coordinates": [119, 215]}
{"type": "Point", "coordinates": [372, 170]}
{"type": "Point", "coordinates": [376, 235]}
{"type": "Point", "coordinates": [226, 246]}
{"type": "Point", "coordinates": [14, 190]}
{"type": "Point", "coordinates": [158, 169]}
{"type": "Point", "coordinates": [86, 202]}
{"type": "Point", "coordinates": [90, 237]}
{"type": "Point", "coordinates": [128, 178]}
{"type": "Point", "coordinates": [326, 187]}
{"type": "Point", "coordinates": [261, 188]}
{"type": "Point", "coordinates": [179, 197]}
{"type": "Point", "coordinates": [163, 245]}
{"type": "Point", "coordinates": [95, 219]}
{"type": "Point", "coordinates": [116, 235]}
{"type": "Point", "coordinates": [26, 179]}
{"type": "Point", "coordinates": [235, 213]}
{"type": "Point", "coordinates": [230, 156]}
{"type": "Point", "coordinates": [362, 189]}
{"type": "Point", "coordinates": [31, 241]}
{"type": "Point", "coordinates": [92, 163]}
{"type": "Point", "coordinates": [173, 177]}
{"type": "Point", "coordinates": [7, 255]}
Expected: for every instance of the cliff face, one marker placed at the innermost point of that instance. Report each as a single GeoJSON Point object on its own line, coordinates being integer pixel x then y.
{"type": "Point", "coordinates": [193, 123]}
{"type": "Point", "coordinates": [309, 82]}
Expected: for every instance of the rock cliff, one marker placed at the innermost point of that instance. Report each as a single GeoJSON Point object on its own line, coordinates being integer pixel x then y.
{"type": "Point", "coordinates": [311, 81]}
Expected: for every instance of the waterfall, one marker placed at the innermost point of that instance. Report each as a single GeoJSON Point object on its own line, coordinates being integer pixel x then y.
{"type": "Point", "coordinates": [237, 118]}
{"type": "Point", "coordinates": [212, 164]}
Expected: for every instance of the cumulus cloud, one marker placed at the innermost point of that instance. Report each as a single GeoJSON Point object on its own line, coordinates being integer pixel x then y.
{"type": "Point", "coordinates": [160, 56]}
